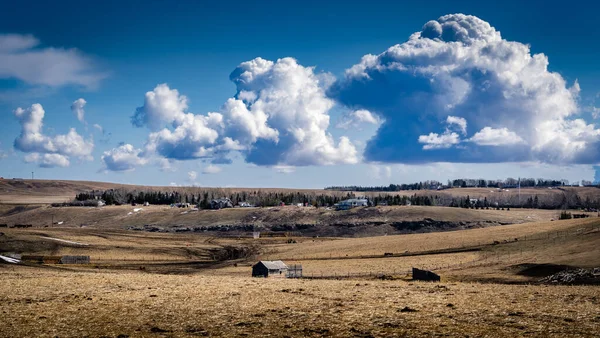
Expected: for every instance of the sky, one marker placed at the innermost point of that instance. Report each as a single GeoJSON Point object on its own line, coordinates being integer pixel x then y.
{"type": "Point", "coordinates": [303, 95]}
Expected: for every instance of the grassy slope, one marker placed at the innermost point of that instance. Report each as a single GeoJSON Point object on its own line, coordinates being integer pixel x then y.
{"type": "Point", "coordinates": [120, 217]}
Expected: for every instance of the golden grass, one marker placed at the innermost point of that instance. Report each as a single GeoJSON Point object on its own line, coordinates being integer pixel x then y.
{"type": "Point", "coordinates": [124, 216]}
{"type": "Point", "coordinates": [53, 303]}
{"type": "Point", "coordinates": [112, 245]}
{"type": "Point", "coordinates": [421, 242]}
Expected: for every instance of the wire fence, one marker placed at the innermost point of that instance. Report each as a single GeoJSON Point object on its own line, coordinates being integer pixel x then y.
{"type": "Point", "coordinates": [476, 246]}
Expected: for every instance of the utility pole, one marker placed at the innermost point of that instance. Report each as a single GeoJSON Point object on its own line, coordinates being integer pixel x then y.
{"type": "Point", "coordinates": [519, 192]}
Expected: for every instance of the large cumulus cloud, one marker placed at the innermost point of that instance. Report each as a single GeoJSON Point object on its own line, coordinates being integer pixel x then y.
{"type": "Point", "coordinates": [456, 72]}
{"type": "Point", "coordinates": [279, 116]}
{"type": "Point", "coordinates": [46, 150]}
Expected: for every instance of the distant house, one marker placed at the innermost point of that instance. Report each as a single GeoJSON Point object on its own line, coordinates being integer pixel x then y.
{"type": "Point", "coordinates": [221, 203]}
{"type": "Point", "coordinates": [273, 269]}
{"type": "Point", "coordinates": [352, 203]}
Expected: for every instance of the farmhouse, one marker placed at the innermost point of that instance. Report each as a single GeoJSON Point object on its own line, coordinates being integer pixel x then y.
{"type": "Point", "coordinates": [352, 203]}
{"type": "Point", "coordinates": [221, 203]}
{"type": "Point", "coordinates": [273, 269]}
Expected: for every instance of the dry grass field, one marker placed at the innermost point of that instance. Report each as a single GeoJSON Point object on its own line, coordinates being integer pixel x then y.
{"type": "Point", "coordinates": [48, 303]}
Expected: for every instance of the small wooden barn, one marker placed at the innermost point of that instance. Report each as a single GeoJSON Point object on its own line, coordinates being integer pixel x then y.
{"type": "Point", "coordinates": [273, 269]}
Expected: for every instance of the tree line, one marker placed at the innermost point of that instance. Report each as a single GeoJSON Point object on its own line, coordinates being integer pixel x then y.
{"type": "Point", "coordinates": [201, 197]}
{"type": "Point", "coordinates": [462, 183]}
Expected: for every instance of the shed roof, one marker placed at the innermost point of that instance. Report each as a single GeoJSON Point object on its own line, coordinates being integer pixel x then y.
{"type": "Point", "coordinates": [274, 265]}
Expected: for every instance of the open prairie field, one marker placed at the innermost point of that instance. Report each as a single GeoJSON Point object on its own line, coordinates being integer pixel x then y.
{"type": "Point", "coordinates": [44, 302]}
{"type": "Point", "coordinates": [142, 283]}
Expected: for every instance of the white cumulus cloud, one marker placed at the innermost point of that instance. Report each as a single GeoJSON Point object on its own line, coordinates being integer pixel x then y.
{"type": "Point", "coordinates": [437, 141]}
{"type": "Point", "coordinates": [33, 140]}
{"type": "Point", "coordinates": [279, 116]}
{"type": "Point", "coordinates": [496, 137]}
{"type": "Point", "coordinates": [461, 69]}
{"type": "Point", "coordinates": [123, 158]}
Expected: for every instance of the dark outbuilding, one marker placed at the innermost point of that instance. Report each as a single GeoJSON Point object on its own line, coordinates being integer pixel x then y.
{"type": "Point", "coordinates": [425, 275]}
{"type": "Point", "coordinates": [273, 269]}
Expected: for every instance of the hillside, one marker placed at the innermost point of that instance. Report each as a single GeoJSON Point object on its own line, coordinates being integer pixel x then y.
{"type": "Point", "coordinates": [310, 221]}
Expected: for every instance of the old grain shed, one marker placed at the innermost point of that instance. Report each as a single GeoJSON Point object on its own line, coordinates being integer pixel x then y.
{"type": "Point", "coordinates": [265, 269]}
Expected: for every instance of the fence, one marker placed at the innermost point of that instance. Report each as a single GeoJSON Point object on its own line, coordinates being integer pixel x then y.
{"type": "Point", "coordinates": [75, 260]}
{"type": "Point", "coordinates": [488, 254]}
{"type": "Point", "coordinates": [294, 271]}
{"type": "Point", "coordinates": [479, 246]}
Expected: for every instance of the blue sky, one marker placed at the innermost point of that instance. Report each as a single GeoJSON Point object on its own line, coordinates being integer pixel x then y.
{"type": "Point", "coordinates": [436, 117]}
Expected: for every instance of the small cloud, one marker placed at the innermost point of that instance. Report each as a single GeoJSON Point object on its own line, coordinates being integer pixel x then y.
{"type": "Point", "coordinates": [436, 141]}
{"type": "Point", "coordinates": [99, 128]}
{"type": "Point", "coordinates": [496, 137]}
{"type": "Point", "coordinates": [381, 172]}
{"type": "Point", "coordinates": [192, 175]}
{"type": "Point", "coordinates": [460, 122]}
{"type": "Point", "coordinates": [212, 169]}
{"type": "Point", "coordinates": [284, 169]}
{"type": "Point", "coordinates": [77, 109]}
{"type": "Point", "coordinates": [166, 165]}
{"type": "Point", "coordinates": [357, 119]}
{"type": "Point", "coordinates": [123, 158]}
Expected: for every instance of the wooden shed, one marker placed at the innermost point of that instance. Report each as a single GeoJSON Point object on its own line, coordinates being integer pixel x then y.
{"type": "Point", "coordinates": [273, 269]}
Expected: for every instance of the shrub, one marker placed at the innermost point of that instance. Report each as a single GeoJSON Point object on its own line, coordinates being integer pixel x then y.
{"type": "Point", "coordinates": [565, 215]}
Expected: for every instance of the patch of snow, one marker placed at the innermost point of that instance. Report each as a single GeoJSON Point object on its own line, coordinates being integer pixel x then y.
{"type": "Point", "coordinates": [64, 241]}
{"type": "Point", "coordinates": [138, 209]}
{"type": "Point", "coordinates": [10, 260]}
